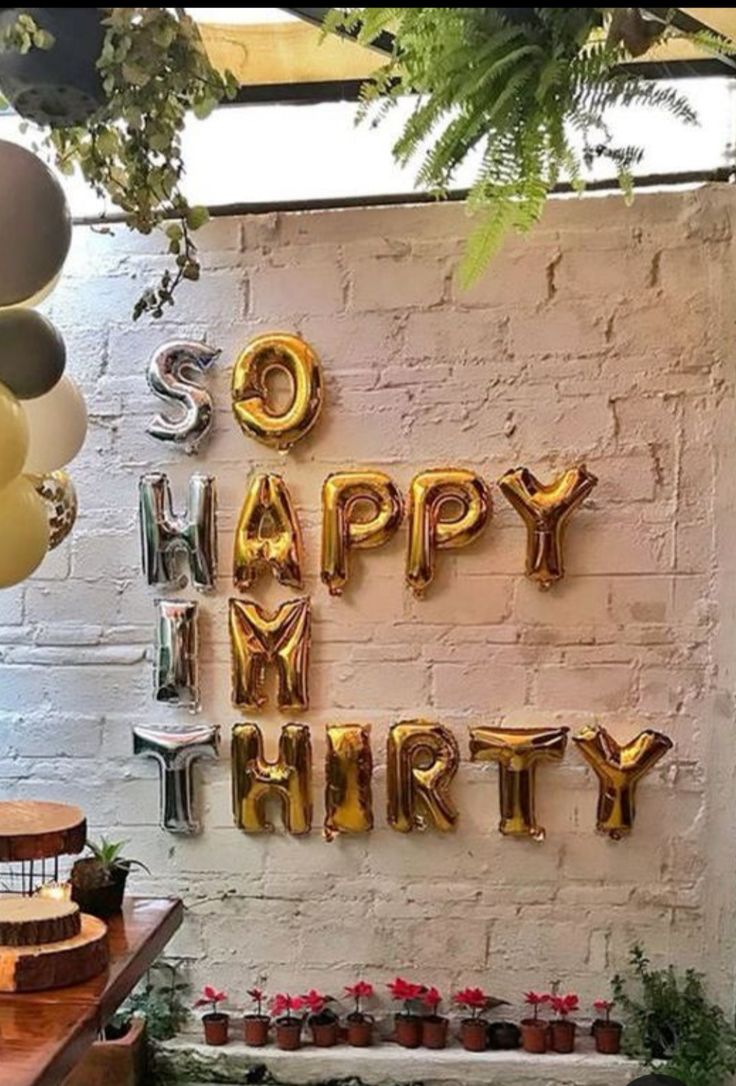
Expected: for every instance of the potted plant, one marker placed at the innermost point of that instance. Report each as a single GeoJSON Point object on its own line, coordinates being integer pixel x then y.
{"type": "Point", "coordinates": [607, 1034]}
{"type": "Point", "coordinates": [360, 1024]}
{"type": "Point", "coordinates": [563, 1031]}
{"type": "Point", "coordinates": [121, 115]}
{"type": "Point", "coordinates": [322, 1020]}
{"type": "Point", "coordinates": [534, 1030]}
{"type": "Point", "coordinates": [255, 1026]}
{"type": "Point", "coordinates": [408, 1022]}
{"type": "Point", "coordinates": [216, 1023]}
{"type": "Point", "coordinates": [434, 1025]}
{"type": "Point", "coordinates": [672, 1027]}
{"type": "Point", "coordinates": [288, 1024]}
{"type": "Point", "coordinates": [98, 881]}
{"type": "Point", "coordinates": [473, 1028]}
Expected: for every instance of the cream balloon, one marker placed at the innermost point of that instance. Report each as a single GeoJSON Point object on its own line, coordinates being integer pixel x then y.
{"type": "Point", "coordinates": [57, 424]}
{"type": "Point", "coordinates": [24, 531]}
{"type": "Point", "coordinates": [13, 436]}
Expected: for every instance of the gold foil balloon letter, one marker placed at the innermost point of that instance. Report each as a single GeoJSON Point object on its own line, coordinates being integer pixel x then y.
{"type": "Point", "coordinates": [175, 671]}
{"type": "Point", "coordinates": [619, 768]}
{"type": "Point", "coordinates": [545, 510]}
{"type": "Point", "coordinates": [255, 780]}
{"type": "Point", "coordinates": [175, 748]}
{"type": "Point", "coordinates": [429, 531]}
{"type": "Point", "coordinates": [344, 494]}
{"type": "Point", "coordinates": [170, 378]}
{"type": "Point", "coordinates": [250, 396]}
{"type": "Point", "coordinates": [422, 760]}
{"type": "Point", "coordinates": [165, 537]}
{"type": "Point", "coordinates": [258, 639]}
{"type": "Point", "coordinates": [518, 751]}
{"type": "Point", "coordinates": [268, 533]}
{"type": "Point", "coordinates": [348, 771]}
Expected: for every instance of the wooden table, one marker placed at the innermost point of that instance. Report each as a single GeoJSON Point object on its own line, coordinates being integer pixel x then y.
{"type": "Point", "coordinates": [44, 1034]}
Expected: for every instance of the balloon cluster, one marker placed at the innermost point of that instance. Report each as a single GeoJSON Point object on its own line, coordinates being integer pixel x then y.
{"type": "Point", "coordinates": [43, 419]}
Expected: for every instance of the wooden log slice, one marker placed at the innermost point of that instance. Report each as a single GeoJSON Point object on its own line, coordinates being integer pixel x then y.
{"type": "Point", "coordinates": [56, 965]}
{"type": "Point", "coordinates": [34, 830]}
{"type": "Point", "coordinates": [32, 921]}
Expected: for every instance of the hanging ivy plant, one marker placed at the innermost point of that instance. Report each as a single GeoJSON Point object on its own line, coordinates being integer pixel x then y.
{"type": "Point", "coordinates": [154, 74]}
{"type": "Point", "coordinates": [527, 90]}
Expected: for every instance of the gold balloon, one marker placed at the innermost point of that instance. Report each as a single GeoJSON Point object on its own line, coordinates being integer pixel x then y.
{"type": "Point", "coordinates": [268, 533]}
{"type": "Point", "coordinates": [518, 751]}
{"type": "Point", "coordinates": [429, 532]}
{"type": "Point", "coordinates": [14, 436]}
{"type": "Point", "coordinates": [264, 354]}
{"type": "Point", "coordinates": [619, 768]}
{"type": "Point", "coordinates": [348, 771]}
{"type": "Point", "coordinates": [342, 495]}
{"type": "Point", "coordinates": [422, 759]}
{"type": "Point", "coordinates": [545, 510]}
{"type": "Point", "coordinates": [24, 531]}
{"type": "Point", "coordinates": [258, 639]}
{"type": "Point", "coordinates": [60, 495]}
{"type": "Point", "coordinates": [255, 780]}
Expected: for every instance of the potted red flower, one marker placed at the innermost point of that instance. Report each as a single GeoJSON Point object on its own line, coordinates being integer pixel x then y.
{"type": "Point", "coordinates": [288, 1024]}
{"type": "Point", "coordinates": [607, 1034]}
{"type": "Point", "coordinates": [473, 1028]}
{"type": "Point", "coordinates": [255, 1026]}
{"type": "Point", "coordinates": [322, 1021]}
{"type": "Point", "coordinates": [434, 1025]}
{"type": "Point", "coordinates": [360, 1024]}
{"type": "Point", "coordinates": [216, 1023]}
{"type": "Point", "coordinates": [563, 1031]}
{"type": "Point", "coordinates": [407, 1023]}
{"type": "Point", "coordinates": [534, 1030]}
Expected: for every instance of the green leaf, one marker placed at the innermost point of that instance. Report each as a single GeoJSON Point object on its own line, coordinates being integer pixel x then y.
{"type": "Point", "coordinates": [197, 217]}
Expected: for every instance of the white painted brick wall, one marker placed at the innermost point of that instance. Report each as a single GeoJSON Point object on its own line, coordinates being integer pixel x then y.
{"type": "Point", "coordinates": [607, 337]}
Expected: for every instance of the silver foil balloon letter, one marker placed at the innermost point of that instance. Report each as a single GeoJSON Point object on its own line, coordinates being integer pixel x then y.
{"type": "Point", "coordinates": [175, 748]}
{"type": "Point", "coordinates": [169, 377]}
{"type": "Point", "coordinates": [164, 535]}
{"type": "Point", "coordinates": [175, 668]}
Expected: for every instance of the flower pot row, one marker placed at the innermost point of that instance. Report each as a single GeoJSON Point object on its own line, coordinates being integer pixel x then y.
{"type": "Point", "coordinates": [417, 1024]}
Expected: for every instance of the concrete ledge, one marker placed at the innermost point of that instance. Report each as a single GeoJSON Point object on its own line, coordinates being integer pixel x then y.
{"type": "Point", "coordinates": [187, 1063]}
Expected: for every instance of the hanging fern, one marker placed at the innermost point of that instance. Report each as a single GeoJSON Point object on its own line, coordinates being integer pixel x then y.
{"type": "Point", "coordinates": [515, 85]}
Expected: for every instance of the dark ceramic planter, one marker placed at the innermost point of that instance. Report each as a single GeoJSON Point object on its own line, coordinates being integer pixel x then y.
{"type": "Point", "coordinates": [216, 1028]}
{"type": "Point", "coordinates": [360, 1031]}
{"type": "Point", "coordinates": [408, 1030]}
{"type": "Point", "coordinates": [289, 1034]}
{"type": "Point", "coordinates": [255, 1030]}
{"type": "Point", "coordinates": [434, 1031]}
{"type": "Point", "coordinates": [60, 86]}
{"type": "Point", "coordinates": [503, 1036]}
{"type": "Point", "coordinates": [474, 1034]}
{"type": "Point", "coordinates": [608, 1038]}
{"type": "Point", "coordinates": [98, 899]}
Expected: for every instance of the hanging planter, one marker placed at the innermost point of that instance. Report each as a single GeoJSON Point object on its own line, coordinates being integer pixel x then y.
{"type": "Point", "coordinates": [59, 86]}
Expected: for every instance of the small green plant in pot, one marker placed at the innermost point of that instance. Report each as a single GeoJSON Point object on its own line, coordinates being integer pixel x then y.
{"type": "Point", "coordinates": [672, 1026]}
{"type": "Point", "coordinates": [98, 881]}
{"type": "Point", "coordinates": [159, 999]}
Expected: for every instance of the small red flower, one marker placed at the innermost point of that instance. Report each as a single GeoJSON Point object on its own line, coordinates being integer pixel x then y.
{"type": "Point", "coordinates": [210, 997]}
{"type": "Point", "coordinates": [431, 998]}
{"type": "Point", "coordinates": [536, 999]}
{"type": "Point", "coordinates": [314, 1001]}
{"type": "Point", "coordinates": [474, 999]}
{"type": "Point", "coordinates": [564, 1004]}
{"type": "Point", "coordinates": [362, 989]}
{"type": "Point", "coordinates": [283, 1004]}
{"type": "Point", "coordinates": [404, 990]}
{"type": "Point", "coordinates": [258, 996]}
{"type": "Point", "coordinates": [604, 1006]}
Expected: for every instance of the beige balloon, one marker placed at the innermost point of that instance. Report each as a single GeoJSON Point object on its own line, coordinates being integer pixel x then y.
{"type": "Point", "coordinates": [24, 539]}
{"type": "Point", "coordinates": [35, 226]}
{"type": "Point", "coordinates": [57, 425]}
{"type": "Point", "coordinates": [13, 436]}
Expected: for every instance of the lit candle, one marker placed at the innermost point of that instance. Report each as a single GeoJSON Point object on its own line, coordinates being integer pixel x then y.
{"type": "Point", "coordinates": [56, 891]}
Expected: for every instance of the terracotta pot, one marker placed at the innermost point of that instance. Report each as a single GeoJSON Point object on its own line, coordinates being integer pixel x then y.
{"type": "Point", "coordinates": [255, 1029]}
{"type": "Point", "coordinates": [118, 1062]}
{"type": "Point", "coordinates": [503, 1035]}
{"type": "Point", "coordinates": [408, 1030]}
{"type": "Point", "coordinates": [608, 1038]}
{"type": "Point", "coordinates": [534, 1036]}
{"type": "Point", "coordinates": [563, 1036]}
{"type": "Point", "coordinates": [360, 1031]}
{"type": "Point", "coordinates": [434, 1031]}
{"type": "Point", "coordinates": [216, 1028]}
{"type": "Point", "coordinates": [474, 1034]}
{"type": "Point", "coordinates": [325, 1034]}
{"type": "Point", "coordinates": [289, 1034]}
